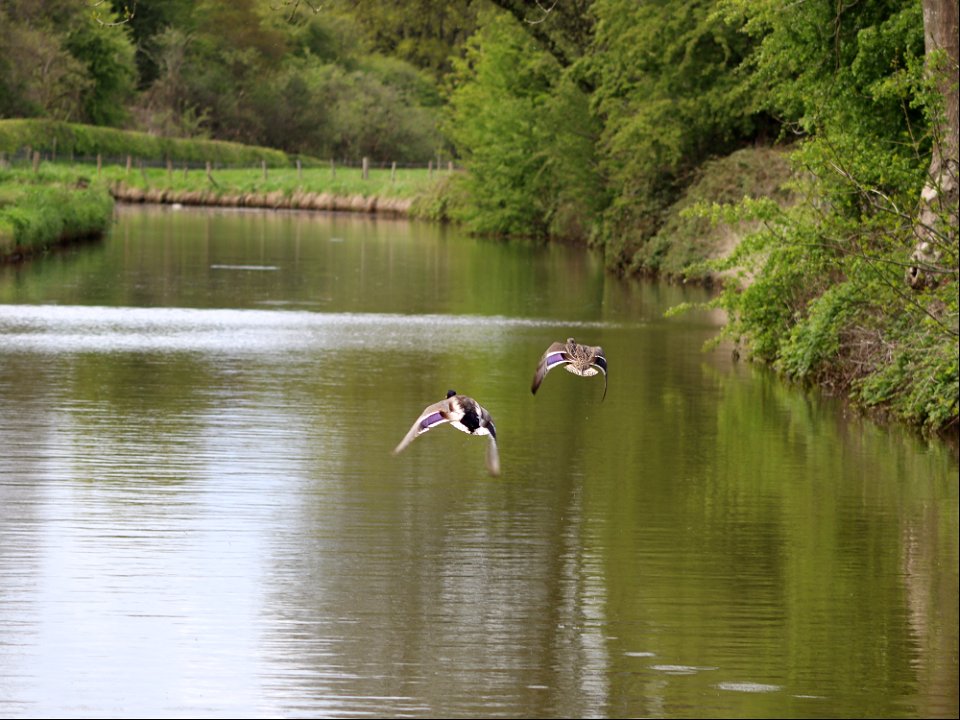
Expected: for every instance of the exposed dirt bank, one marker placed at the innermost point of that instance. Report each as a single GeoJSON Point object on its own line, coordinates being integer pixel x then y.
{"type": "Point", "coordinates": [273, 200]}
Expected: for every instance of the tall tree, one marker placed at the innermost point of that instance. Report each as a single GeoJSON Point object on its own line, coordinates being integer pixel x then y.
{"type": "Point", "coordinates": [938, 219]}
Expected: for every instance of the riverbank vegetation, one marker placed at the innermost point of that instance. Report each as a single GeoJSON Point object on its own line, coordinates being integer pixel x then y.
{"type": "Point", "coordinates": [804, 153]}
{"type": "Point", "coordinates": [60, 202]}
{"type": "Point", "coordinates": [839, 252]}
{"type": "Point", "coordinates": [38, 210]}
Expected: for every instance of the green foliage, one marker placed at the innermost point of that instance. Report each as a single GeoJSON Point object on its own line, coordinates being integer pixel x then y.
{"type": "Point", "coordinates": [669, 90]}
{"type": "Point", "coordinates": [59, 60]}
{"type": "Point", "coordinates": [424, 34]}
{"type": "Point", "coordinates": [38, 76]}
{"type": "Point", "coordinates": [695, 229]}
{"type": "Point", "coordinates": [832, 67]}
{"type": "Point", "coordinates": [40, 212]}
{"type": "Point", "coordinates": [145, 21]}
{"type": "Point", "coordinates": [919, 381]}
{"type": "Point", "coordinates": [525, 131]}
{"type": "Point", "coordinates": [304, 84]}
{"type": "Point", "coordinates": [108, 55]}
{"type": "Point", "coordinates": [245, 71]}
{"type": "Point", "coordinates": [815, 342]}
{"type": "Point", "coordinates": [823, 296]}
{"type": "Point", "coordinates": [368, 117]}
{"type": "Point", "coordinates": [443, 200]}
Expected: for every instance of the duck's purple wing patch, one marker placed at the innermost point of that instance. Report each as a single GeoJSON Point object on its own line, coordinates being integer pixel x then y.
{"type": "Point", "coordinates": [430, 420]}
{"type": "Point", "coordinates": [554, 359]}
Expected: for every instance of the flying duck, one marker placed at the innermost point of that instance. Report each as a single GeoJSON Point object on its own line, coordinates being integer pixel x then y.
{"type": "Point", "coordinates": [583, 360]}
{"type": "Point", "coordinates": [465, 414]}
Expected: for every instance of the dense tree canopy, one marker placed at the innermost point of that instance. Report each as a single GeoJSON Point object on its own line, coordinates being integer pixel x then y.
{"type": "Point", "coordinates": [251, 71]}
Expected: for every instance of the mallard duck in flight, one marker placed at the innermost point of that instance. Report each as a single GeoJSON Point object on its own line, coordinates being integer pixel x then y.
{"type": "Point", "coordinates": [583, 360]}
{"type": "Point", "coordinates": [465, 414]}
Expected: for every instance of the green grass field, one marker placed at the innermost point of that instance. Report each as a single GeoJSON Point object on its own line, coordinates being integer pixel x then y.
{"type": "Point", "coordinates": [407, 183]}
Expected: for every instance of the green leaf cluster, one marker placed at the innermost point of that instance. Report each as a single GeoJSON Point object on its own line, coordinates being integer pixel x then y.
{"type": "Point", "coordinates": [60, 60]}
{"type": "Point", "coordinates": [526, 133]}
{"type": "Point", "coordinates": [671, 94]}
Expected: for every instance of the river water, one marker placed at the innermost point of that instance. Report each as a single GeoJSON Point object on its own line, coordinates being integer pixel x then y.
{"type": "Point", "coordinates": [201, 514]}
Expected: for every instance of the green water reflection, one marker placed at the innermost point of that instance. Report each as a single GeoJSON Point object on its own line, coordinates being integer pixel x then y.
{"type": "Point", "coordinates": [202, 515]}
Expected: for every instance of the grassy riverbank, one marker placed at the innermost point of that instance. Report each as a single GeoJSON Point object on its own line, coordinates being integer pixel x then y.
{"type": "Point", "coordinates": [61, 202]}
{"type": "Point", "coordinates": [325, 188]}
{"type": "Point", "coordinates": [44, 202]}
{"type": "Point", "coordinates": [40, 210]}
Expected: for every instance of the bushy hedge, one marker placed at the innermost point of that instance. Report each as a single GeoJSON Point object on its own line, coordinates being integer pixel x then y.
{"type": "Point", "coordinates": [48, 136]}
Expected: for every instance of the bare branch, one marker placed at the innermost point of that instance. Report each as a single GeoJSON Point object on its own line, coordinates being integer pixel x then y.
{"type": "Point", "coordinates": [294, 6]}
{"type": "Point", "coordinates": [545, 10]}
{"type": "Point", "coordinates": [128, 14]}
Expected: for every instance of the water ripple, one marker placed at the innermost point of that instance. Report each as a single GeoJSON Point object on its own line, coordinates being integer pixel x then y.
{"type": "Point", "coordinates": [76, 328]}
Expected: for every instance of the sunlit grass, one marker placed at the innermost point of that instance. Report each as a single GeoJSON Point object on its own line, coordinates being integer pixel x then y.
{"type": "Point", "coordinates": [39, 209]}
{"type": "Point", "coordinates": [341, 181]}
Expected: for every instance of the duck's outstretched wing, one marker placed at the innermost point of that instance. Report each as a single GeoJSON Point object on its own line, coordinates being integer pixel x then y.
{"type": "Point", "coordinates": [600, 363]}
{"type": "Point", "coordinates": [432, 415]}
{"type": "Point", "coordinates": [555, 355]}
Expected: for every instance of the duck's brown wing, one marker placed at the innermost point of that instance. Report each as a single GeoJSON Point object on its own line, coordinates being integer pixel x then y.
{"type": "Point", "coordinates": [432, 415]}
{"type": "Point", "coordinates": [555, 355]}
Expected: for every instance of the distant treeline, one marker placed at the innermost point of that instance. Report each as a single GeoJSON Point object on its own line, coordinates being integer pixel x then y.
{"type": "Point", "coordinates": [305, 78]}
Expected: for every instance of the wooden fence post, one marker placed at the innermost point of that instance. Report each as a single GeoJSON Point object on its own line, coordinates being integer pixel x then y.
{"type": "Point", "coordinates": [449, 165]}
{"type": "Point", "coordinates": [209, 176]}
{"type": "Point", "coordinates": [393, 171]}
{"type": "Point", "coordinates": [53, 153]}
{"type": "Point", "coordinates": [129, 161]}
{"type": "Point", "coordinates": [263, 166]}
{"type": "Point", "coordinates": [430, 169]}
{"type": "Point", "coordinates": [36, 161]}
{"type": "Point", "coordinates": [366, 169]}
{"type": "Point", "coordinates": [169, 170]}
{"type": "Point", "coordinates": [299, 170]}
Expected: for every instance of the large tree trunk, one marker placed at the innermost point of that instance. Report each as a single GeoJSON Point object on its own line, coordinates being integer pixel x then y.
{"type": "Point", "coordinates": [938, 218]}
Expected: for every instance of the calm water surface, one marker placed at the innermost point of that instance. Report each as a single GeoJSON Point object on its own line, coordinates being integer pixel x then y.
{"type": "Point", "coordinates": [201, 514]}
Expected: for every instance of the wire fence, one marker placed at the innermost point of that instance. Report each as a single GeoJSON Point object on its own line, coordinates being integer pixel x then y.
{"type": "Point", "coordinates": [26, 157]}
